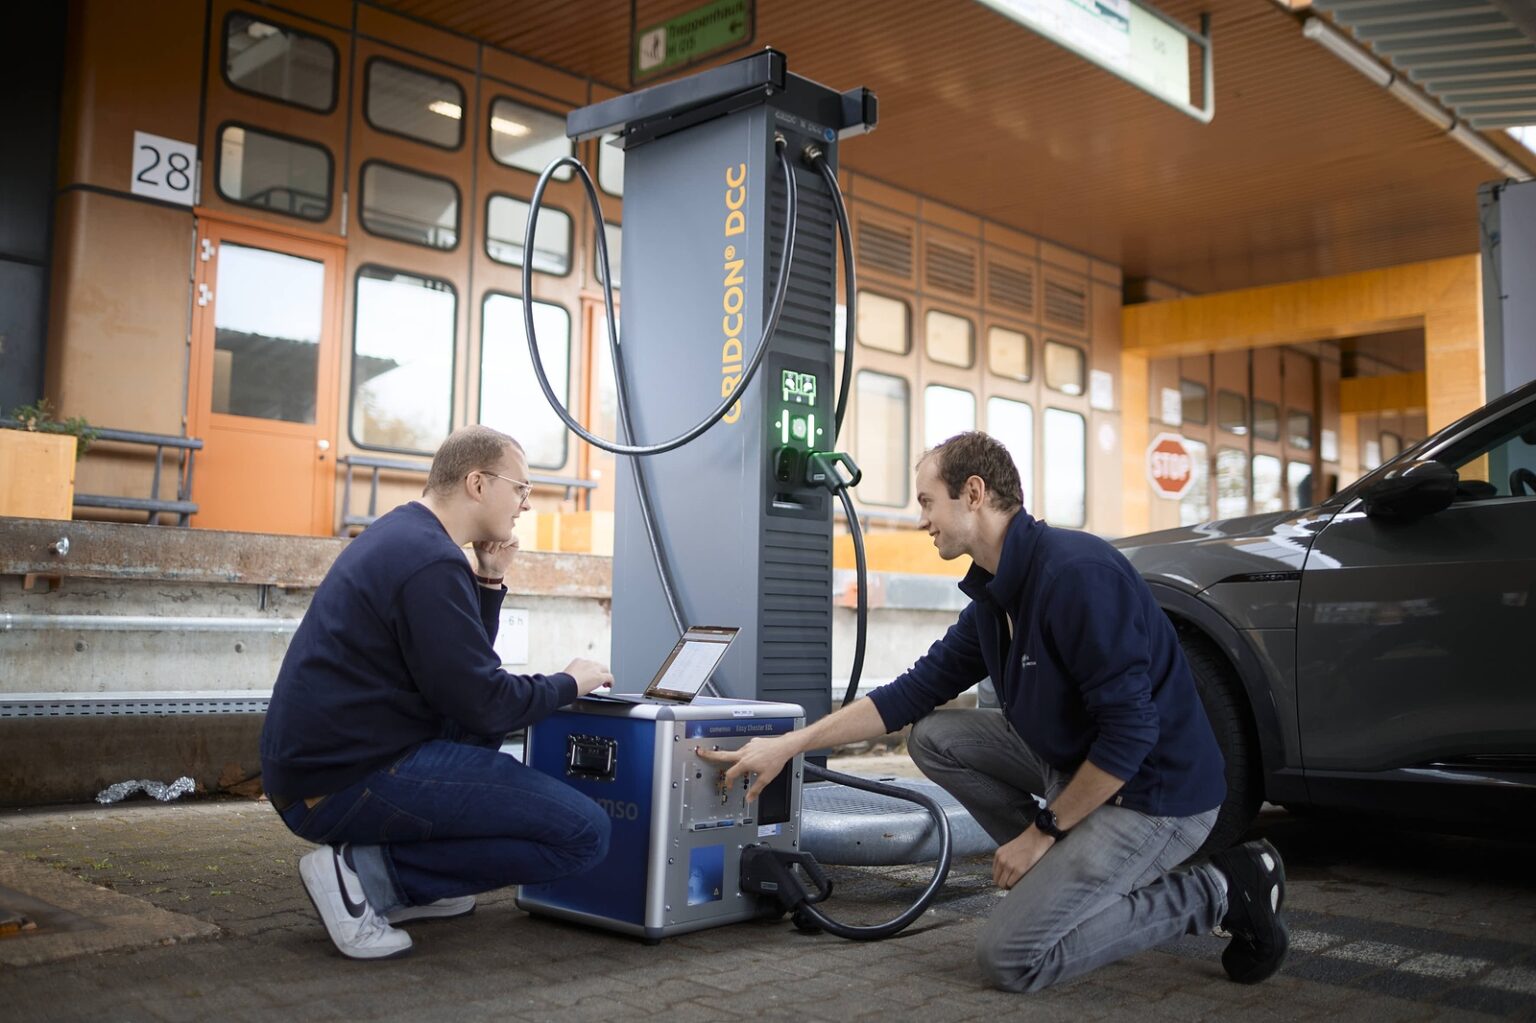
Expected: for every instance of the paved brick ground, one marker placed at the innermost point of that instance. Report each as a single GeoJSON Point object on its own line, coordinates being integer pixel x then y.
{"type": "Point", "coordinates": [1390, 927]}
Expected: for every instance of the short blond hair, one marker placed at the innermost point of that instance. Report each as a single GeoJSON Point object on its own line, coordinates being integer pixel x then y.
{"type": "Point", "coordinates": [468, 449]}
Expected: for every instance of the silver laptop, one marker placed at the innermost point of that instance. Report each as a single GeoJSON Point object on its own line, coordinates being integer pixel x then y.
{"type": "Point", "coordinates": [686, 669]}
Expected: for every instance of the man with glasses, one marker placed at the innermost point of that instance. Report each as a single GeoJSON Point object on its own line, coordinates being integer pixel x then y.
{"type": "Point", "coordinates": [381, 739]}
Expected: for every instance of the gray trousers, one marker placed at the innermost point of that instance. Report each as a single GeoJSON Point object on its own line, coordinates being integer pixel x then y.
{"type": "Point", "coordinates": [1106, 891]}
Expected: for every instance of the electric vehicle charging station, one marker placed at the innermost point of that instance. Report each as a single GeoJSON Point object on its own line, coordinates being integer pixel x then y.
{"type": "Point", "coordinates": [732, 220]}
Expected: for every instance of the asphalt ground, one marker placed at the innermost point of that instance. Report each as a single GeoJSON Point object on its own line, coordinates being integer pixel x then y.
{"type": "Point", "coordinates": [193, 911]}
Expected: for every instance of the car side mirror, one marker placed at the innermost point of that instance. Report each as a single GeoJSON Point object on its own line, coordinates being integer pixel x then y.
{"type": "Point", "coordinates": [1411, 490]}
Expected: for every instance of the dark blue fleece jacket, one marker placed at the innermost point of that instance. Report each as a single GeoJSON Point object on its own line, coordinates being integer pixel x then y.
{"type": "Point", "coordinates": [396, 645]}
{"type": "Point", "coordinates": [1093, 670]}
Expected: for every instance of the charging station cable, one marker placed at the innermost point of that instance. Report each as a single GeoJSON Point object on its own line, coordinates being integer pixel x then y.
{"type": "Point", "coordinates": [817, 158]}
{"type": "Point", "coordinates": [780, 293]}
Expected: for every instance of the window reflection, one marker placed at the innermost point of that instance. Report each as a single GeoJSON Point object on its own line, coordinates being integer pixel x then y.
{"type": "Point", "coordinates": [1298, 485]}
{"type": "Point", "coordinates": [1195, 505]}
{"type": "Point", "coordinates": [528, 139]}
{"type": "Point", "coordinates": [880, 414]}
{"type": "Point", "coordinates": [1064, 453]}
{"type": "Point", "coordinates": [1064, 369]}
{"type": "Point", "coordinates": [1266, 420]}
{"type": "Point", "coordinates": [1013, 424]}
{"type": "Point", "coordinates": [267, 324]}
{"type": "Point", "coordinates": [1268, 495]}
{"type": "Point", "coordinates": [1231, 483]}
{"type": "Point", "coordinates": [946, 412]}
{"type": "Point", "coordinates": [884, 323]}
{"type": "Point", "coordinates": [610, 166]}
{"type": "Point", "coordinates": [415, 104]}
{"type": "Point", "coordinates": [507, 228]}
{"type": "Point", "coordinates": [1194, 399]}
{"type": "Point", "coordinates": [417, 208]}
{"type": "Point", "coordinates": [402, 360]}
{"type": "Point", "coordinates": [510, 397]}
{"type": "Point", "coordinates": [1231, 414]}
{"type": "Point", "coordinates": [951, 339]}
{"type": "Point", "coordinates": [275, 173]}
{"type": "Point", "coordinates": [613, 234]}
{"type": "Point", "coordinates": [279, 62]}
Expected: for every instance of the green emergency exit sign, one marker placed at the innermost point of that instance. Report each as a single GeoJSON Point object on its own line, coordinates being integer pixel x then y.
{"type": "Point", "coordinates": [691, 37]}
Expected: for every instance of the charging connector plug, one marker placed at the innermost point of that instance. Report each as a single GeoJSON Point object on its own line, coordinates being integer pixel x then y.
{"type": "Point", "coordinates": [834, 470]}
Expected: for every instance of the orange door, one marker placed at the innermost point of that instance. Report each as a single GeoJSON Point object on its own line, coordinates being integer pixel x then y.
{"type": "Point", "coordinates": [263, 379]}
{"type": "Point", "coordinates": [600, 412]}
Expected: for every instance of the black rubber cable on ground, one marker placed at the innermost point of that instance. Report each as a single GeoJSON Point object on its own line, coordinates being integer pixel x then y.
{"type": "Point", "coordinates": [874, 932]}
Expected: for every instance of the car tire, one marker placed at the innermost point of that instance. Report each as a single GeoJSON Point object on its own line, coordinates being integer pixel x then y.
{"type": "Point", "coordinates": [1226, 705]}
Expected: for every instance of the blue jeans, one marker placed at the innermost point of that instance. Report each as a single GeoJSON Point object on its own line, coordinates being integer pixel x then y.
{"type": "Point", "coordinates": [450, 819]}
{"type": "Point", "coordinates": [1106, 891]}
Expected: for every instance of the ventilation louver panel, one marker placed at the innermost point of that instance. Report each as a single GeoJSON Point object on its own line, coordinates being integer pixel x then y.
{"type": "Point", "coordinates": [950, 269]}
{"type": "Point", "coordinates": [886, 249]}
{"type": "Point", "coordinates": [1066, 305]}
{"type": "Point", "coordinates": [1011, 287]}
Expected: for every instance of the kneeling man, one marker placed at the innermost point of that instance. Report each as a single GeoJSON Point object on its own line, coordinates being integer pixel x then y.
{"type": "Point", "coordinates": [1100, 719]}
{"type": "Point", "coordinates": [381, 739]}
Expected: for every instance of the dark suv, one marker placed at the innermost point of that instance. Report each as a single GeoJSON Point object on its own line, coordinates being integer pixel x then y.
{"type": "Point", "coordinates": [1377, 652]}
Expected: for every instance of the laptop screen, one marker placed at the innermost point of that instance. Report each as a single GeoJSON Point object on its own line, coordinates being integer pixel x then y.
{"type": "Point", "coordinates": [691, 662]}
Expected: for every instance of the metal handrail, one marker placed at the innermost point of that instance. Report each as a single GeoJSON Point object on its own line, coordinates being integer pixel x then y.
{"type": "Point", "coordinates": [183, 507]}
{"type": "Point", "coordinates": [348, 520]}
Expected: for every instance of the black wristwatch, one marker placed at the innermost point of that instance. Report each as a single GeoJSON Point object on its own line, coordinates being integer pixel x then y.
{"type": "Point", "coordinates": [1046, 821]}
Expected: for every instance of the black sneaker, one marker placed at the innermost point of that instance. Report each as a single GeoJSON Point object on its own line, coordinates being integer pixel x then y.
{"type": "Point", "coordinates": [1255, 892]}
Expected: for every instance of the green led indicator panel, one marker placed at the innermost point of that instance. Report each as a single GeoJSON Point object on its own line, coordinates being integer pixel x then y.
{"type": "Point", "coordinates": [799, 388]}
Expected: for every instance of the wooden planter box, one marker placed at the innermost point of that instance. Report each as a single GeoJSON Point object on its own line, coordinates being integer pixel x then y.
{"type": "Point", "coordinates": [37, 474]}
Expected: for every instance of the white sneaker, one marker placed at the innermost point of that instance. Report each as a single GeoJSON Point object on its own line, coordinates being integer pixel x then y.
{"type": "Point", "coordinates": [442, 909]}
{"type": "Point", "coordinates": [337, 893]}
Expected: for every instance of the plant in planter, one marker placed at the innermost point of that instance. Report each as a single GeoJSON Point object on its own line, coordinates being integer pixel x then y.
{"type": "Point", "coordinates": [38, 418]}
{"type": "Point", "coordinates": [37, 462]}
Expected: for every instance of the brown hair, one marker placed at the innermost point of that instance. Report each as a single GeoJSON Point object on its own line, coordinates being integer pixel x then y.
{"type": "Point", "coordinates": [467, 449]}
{"type": "Point", "coordinates": [976, 454]}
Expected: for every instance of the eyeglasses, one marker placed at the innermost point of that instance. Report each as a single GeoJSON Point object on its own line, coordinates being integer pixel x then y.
{"type": "Point", "coordinates": [523, 486]}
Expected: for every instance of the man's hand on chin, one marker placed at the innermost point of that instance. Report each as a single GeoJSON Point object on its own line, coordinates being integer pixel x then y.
{"type": "Point", "coordinates": [494, 557]}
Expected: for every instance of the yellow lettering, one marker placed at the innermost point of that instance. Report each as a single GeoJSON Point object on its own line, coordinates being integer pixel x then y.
{"type": "Point", "coordinates": [735, 222]}
{"type": "Point", "coordinates": [735, 298]}
{"type": "Point", "coordinates": [725, 324]}
{"type": "Point", "coordinates": [730, 354]}
{"type": "Point", "coordinates": [733, 273]}
{"type": "Point", "coordinates": [736, 178]}
{"type": "Point", "coordinates": [735, 198]}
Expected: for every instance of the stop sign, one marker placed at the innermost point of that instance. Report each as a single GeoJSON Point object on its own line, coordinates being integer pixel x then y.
{"type": "Point", "coordinates": [1170, 470]}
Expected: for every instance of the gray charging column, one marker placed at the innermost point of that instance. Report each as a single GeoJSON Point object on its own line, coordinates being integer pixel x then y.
{"type": "Point", "coordinates": [704, 212]}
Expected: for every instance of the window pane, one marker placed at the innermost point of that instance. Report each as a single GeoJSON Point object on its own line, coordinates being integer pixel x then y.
{"type": "Point", "coordinates": [1064, 452]}
{"type": "Point", "coordinates": [884, 323]}
{"type": "Point", "coordinates": [1391, 446]}
{"type": "Point", "coordinates": [528, 139]}
{"type": "Point", "coordinates": [1195, 399]}
{"type": "Point", "coordinates": [1008, 353]}
{"type": "Point", "coordinates": [1013, 424]}
{"type": "Point", "coordinates": [402, 360]}
{"type": "Point", "coordinates": [1266, 420]}
{"type": "Point", "coordinates": [1298, 429]}
{"type": "Point", "coordinates": [409, 206]}
{"type": "Point", "coordinates": [950, 339]}
{"type": "Point", "coordinates": [946, 412]}
{"type": "Point", "coordinates": [1195, 505]}
{"type": "Point", "coordinates": [1298, 485]}
{"type": "Point", "coordinates": [510, 398]}
{"type": "Point", "coordinates": [507, 226]}
{"type": "Point", "coordinates": [1231, 415]}
{"type": "Point", "coordinates": [257, 169]}
{"type": "Point", "coordinates": [267, 325]}
{"type": "Point", "coordinates": [880, 413]}
{"type": "Point", "coordinates": [415, 104]}
{"type": "Point", "coordinates": [614, 235]}
{"type": "Point", "coordinates": [279, 62]}
{"type": "Point", "coordinates": [1267, 493]}
{"type": "Point", "coordinates": [1231, 483]}
{"type": "Point", "coordinates": [610, 166]}
{"type": "Point", "coordinates": [1064, 368]}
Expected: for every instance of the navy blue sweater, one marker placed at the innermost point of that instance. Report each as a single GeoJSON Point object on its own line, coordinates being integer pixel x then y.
{"type": "Point", "coordinates": [396, 645]}
{"type": "Point", "coordinates": [1093, 670]}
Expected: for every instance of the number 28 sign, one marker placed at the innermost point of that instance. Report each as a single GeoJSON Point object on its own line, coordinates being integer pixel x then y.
{"type": "Point", "coordinates": [164, 168]}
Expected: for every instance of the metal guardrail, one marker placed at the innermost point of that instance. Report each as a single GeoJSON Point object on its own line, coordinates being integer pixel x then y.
{"type": "Point", "coordinates": [182, 506]}
{"type": "Point", "coordinates": [377, 465]}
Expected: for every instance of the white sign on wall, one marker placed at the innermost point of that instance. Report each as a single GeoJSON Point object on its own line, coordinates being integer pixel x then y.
{"type": "Point", "coordinates": [512, 636]}
{"type": "Point", "coordinates": [1173, 406]}
{"type": "Point", "coordinates": [1101, 390]}
{"type": "Point", "coordinates": [164, 168]}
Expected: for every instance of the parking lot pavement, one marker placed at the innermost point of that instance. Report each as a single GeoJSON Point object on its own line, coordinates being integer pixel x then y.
{"type": "Point", "coordinates": [1387, 925]}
